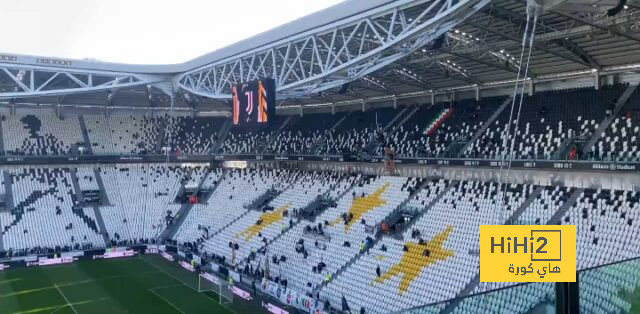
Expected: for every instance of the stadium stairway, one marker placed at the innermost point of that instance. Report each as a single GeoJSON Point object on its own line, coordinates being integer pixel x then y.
{"type": "Point", "coordinates": [563, 150]}
{"type": "Point", "coordinates": [104, 197]}
{"type": "Point", "coordinates": [315, 146]}
{"type": "Point", "coordinates": [222, 134]}
{"type": "Point", "coordinates": [373, 141]}
{"type": "Point", "coordinates": [85, 134]}
{"type": "Point", "coordinates": [516, 214]}
{"type": "Point", "coordinates": [8, 192]}
{"type": "Point", "coordinates": [428, 206]}
{"type": "Point", "coordinates": [324, 201]}
{"type": "Point", "coordinates": [76, 185]}
{"type": "Point", "coordinates": [185, 209]}
{"type": "Point", "coordinates": [263, 199]}
{"type": "Point", "coordinates": [407, 117]}
{"type": "Point", "coordinates": [209, 193]}
{"type": "Point", "coordinates": [400, 114]}
{"type": "Point", "coordinates": [1, 140]}
{"type": "Point", "coordinates": [102, 230]}
{"type": "Point", "coordinates": [315, 208]}
{"type": "Point", "coordinates": [229, 224]}
{"type": "Point", "coordinates": [555, 219]}
{"type": "Point", "coordinates": [354, 183]}
{"type": "Point", "coordinates": [607, 120]}
{"type": "Point", "coordinates": [274, 134]}
{"type": "Point", "coordinates": [101, 226]}
{"type": "Point", "coordinates": [161, 137]}
{"type": "Point", "coordinates": [485, 126]}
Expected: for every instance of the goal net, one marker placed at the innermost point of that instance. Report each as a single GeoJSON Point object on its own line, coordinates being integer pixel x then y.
{"type": "Point", "coordinates": [208, 282]}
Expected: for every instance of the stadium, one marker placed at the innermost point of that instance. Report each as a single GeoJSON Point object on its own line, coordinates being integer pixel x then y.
{"type": "Point", "coordinates": [342, 162]}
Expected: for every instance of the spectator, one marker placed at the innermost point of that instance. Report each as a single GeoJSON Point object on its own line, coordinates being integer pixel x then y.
{"type": "Point", "coordinates": [573, 153]}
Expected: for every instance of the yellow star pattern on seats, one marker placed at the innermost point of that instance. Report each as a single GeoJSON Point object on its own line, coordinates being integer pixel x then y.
{"type": "Point", "coordinates": [413, 261]}
{"type": "Point", "coordinates": [268, 218]}
{"type": "Point", "coordinates": [362, 205]}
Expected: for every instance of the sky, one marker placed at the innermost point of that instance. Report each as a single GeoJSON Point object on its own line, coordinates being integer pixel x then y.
{"type": "Point", "coordinates": [140, 31]}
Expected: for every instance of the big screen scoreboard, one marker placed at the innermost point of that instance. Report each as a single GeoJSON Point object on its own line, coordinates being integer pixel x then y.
{"type": "Point", "coordinates": [254, 103]}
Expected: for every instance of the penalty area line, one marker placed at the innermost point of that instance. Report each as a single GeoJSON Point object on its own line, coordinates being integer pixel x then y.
{"type": "Point", "coordinates": [65, 299]}
{"type": "Point", "coordinates": [167, 301]}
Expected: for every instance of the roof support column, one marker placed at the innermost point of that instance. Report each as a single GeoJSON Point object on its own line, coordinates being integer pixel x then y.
{"type": "Point", "coordinates": [301, 110]}
{"type": "Point", "coordinates": [596, 79]}
{"type": "Point", "coordinates": [477, 93]}
{"type": "Point", "coordinates": [171, 115]}
{"type": "Point", "coordinates": [433, 98]}
{"type": "Point", "coordinates": [532, 88]}
{"type": "Point", "coordinates": [333, 109]}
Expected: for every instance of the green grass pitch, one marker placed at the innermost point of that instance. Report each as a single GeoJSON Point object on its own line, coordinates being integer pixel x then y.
{"type": "Point", "coordinates": [144, 284]}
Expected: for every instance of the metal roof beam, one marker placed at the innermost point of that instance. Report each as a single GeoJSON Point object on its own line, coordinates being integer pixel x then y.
{"type": "Point", "coordinates": [332, 55]}
{"type": "Point", "coordinates": [426, 86]}
{"type": "Point", "coordinates": [608, 28]}
{"type": "Point", "coordinates": [579, 52]}
{"type": "Point", "coordinates": [35, 81]}
{"type": "Point", "coordinates": [507, 16]}
{"type": "Point", "coordinates": [504, 67]}
{"type": "Point", "coordinates": [518, 40]}
{"type": "Point", "coordinates": [447, 73]}
{"type": "Point", "coordinates": [374, 88]}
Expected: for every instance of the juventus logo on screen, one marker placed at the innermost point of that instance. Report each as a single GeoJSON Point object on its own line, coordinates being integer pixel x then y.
{"type": "Point", "coordinates": [253, 102]}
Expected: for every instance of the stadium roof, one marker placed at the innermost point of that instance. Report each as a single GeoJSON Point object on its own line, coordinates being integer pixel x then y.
{"type": "Point", "coordinates": [479, 47]}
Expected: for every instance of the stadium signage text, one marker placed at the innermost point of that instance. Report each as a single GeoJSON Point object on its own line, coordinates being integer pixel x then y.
{"type": "Point", "coordinates": [273, 309]}
{"type": "Point", "coordinates": [241, 293]}
{"type": "Point", "coordinates": [167, 256]}
{"type": "Point", "coordinates": [50, 61]}
{"type": "Point", "coordinates": [52, 261]}
{"type": "Point", "coordinates": [523, 164]}
{"type": "Point", "coordinates": [614, 167]}
{"type": "Point", "coordinates": [115, 254]}
{"type": "Point", "coordinates": [8, 58]}
{"type": "Point", "coordinates": [525, 253]}
{"type": "Point", "coordinates": [211, 278]}
{"type": "Point", "coordinates": [187, 266]}
{"type": "Point", "coordinates": [151, 251]}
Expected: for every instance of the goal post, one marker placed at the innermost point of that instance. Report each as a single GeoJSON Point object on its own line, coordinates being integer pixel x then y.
{"type": "Point", "coordinates": [209, 282]}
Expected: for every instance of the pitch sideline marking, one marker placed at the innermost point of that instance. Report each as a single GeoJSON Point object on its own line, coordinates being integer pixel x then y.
{"type": "Point", "coordinates": [65, 299]}
{"type": "Point", "coordinates": [168, 302]}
